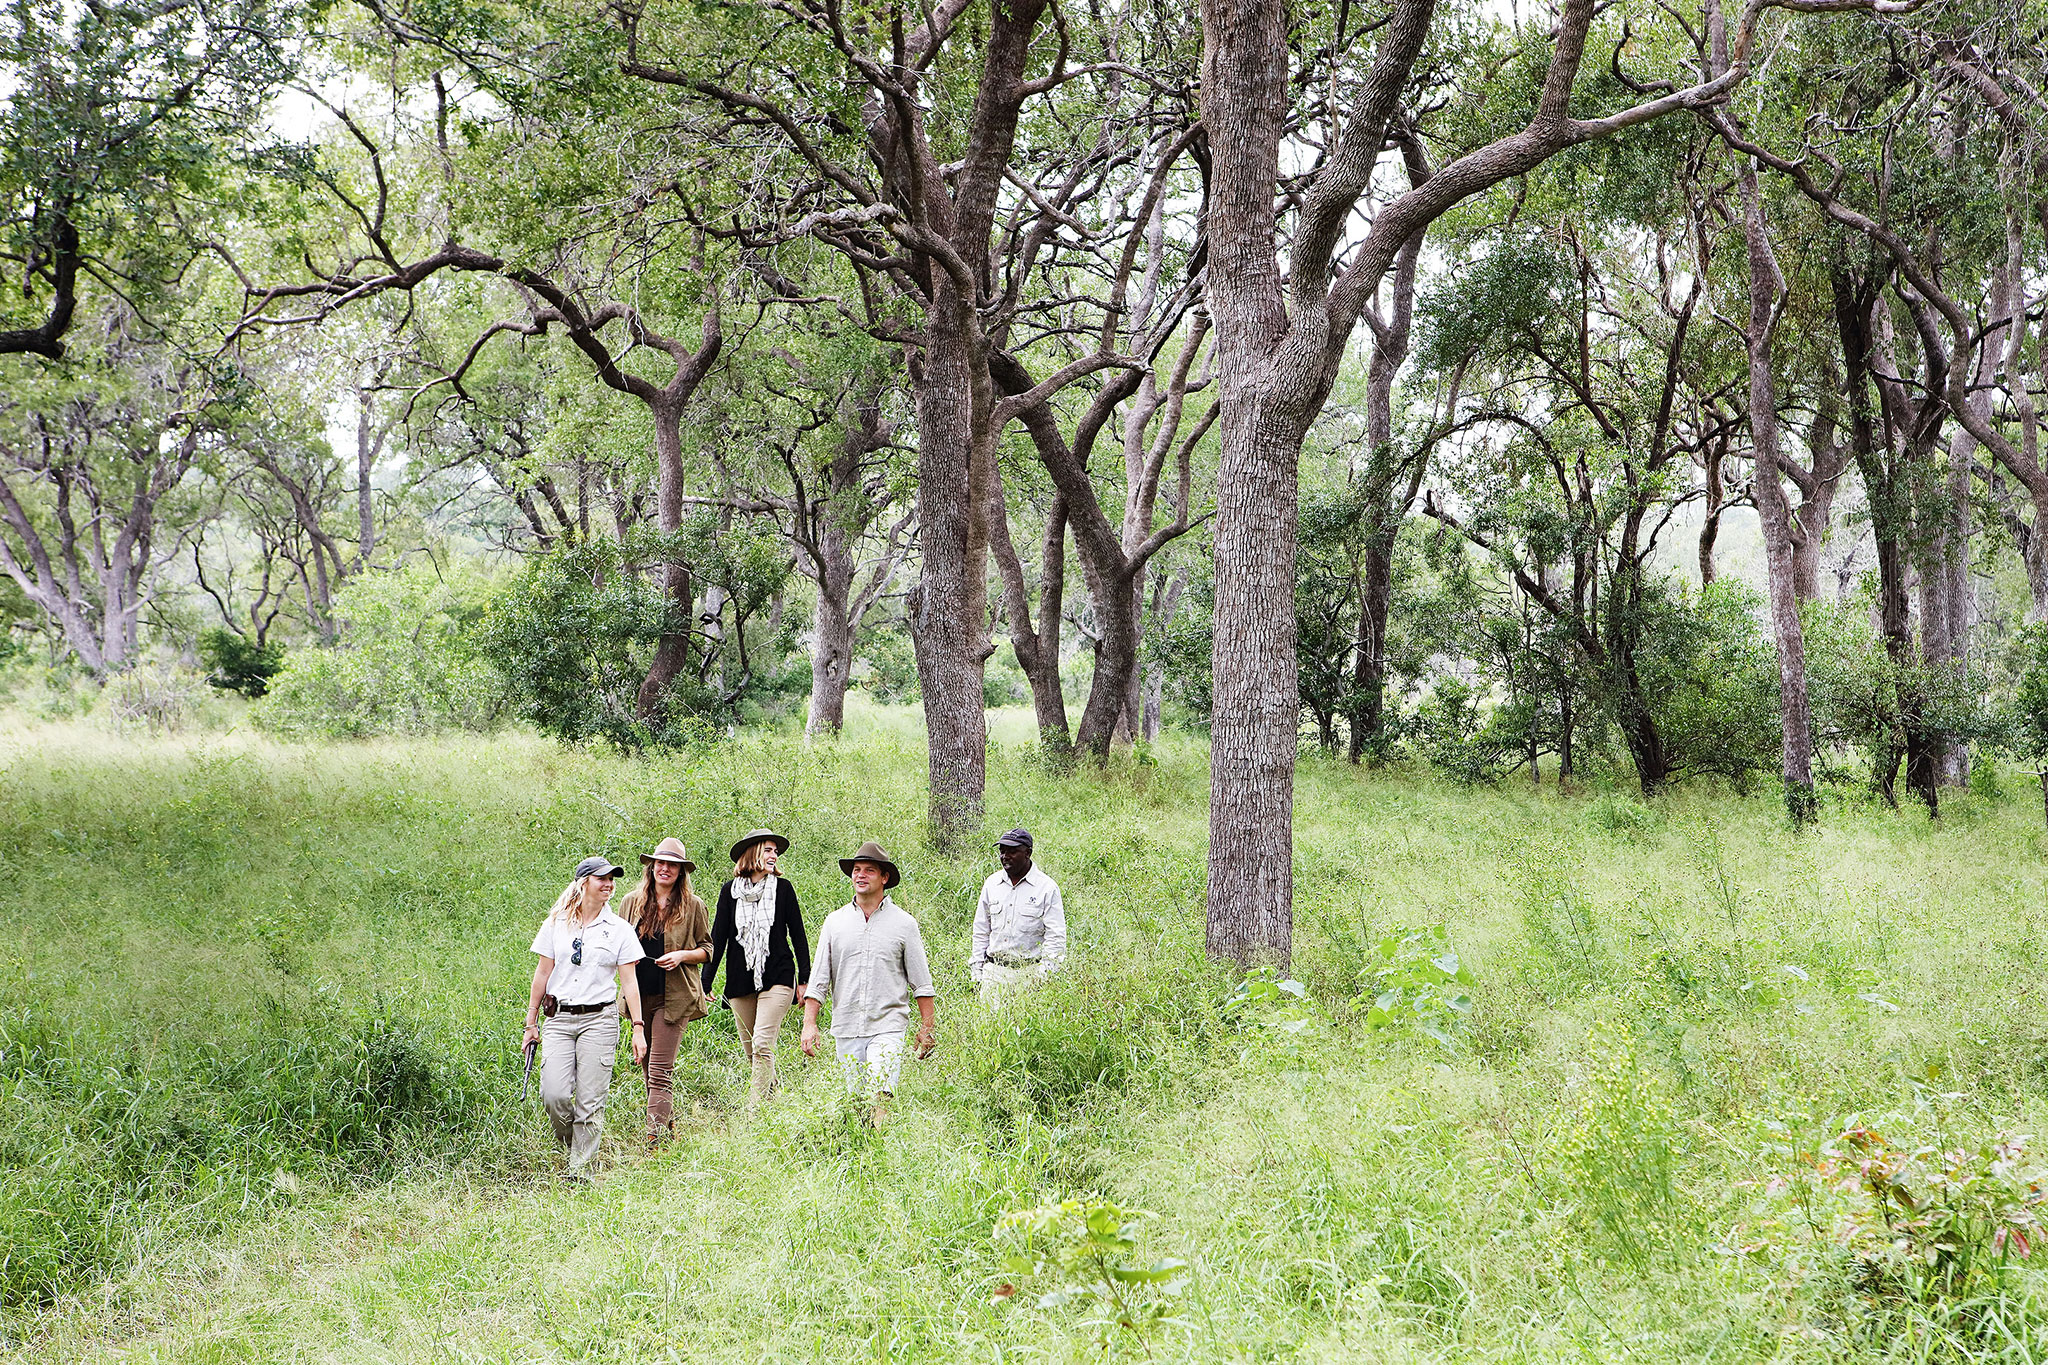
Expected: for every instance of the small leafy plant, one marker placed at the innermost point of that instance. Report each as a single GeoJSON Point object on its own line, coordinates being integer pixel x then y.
{"type": "Point", "coordinates": [1414, 982]}
{"type": "Point", "coordinates": [1085, 1247]}
{"type": "Point", "coordinates": [1919, 1222]}
{"type": "Point", "coordinates": [1272, 1001]}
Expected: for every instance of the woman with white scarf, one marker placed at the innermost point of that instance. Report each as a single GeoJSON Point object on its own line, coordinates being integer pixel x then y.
{"type": "Point", "coordinates": [758, 931]}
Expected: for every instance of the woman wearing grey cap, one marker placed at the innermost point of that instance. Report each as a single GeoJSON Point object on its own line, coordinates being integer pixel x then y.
{"type": "Point", "coordinates": [586, 963]}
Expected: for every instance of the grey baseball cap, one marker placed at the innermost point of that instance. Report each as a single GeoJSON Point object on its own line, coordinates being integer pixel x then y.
{"type": "Point", "coordinates": [1019, 838]}
{"type": "Point", "coordinates": [597, 867]}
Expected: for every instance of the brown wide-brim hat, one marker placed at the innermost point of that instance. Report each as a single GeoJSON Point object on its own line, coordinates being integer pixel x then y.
{"type": "Point", "coordinates": [748, 840]}
{"type": "Point", "coordinates": [871, 852]}
{"type": "Point", "coordinates": [669, 851]}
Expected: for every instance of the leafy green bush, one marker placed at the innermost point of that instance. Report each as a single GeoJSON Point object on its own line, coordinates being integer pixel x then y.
{"type": "Point", "coordinates": [573, 636]}
{"type": "Point", "coordinates": [1710, 675]}
{"type": "Point", "coordinates": [1266, 999]}
{"type": "Point", "coordinates": [238, 664]}
{"type": "Point", "coordinates": [1918, 1221]}
{"type": "Point", "coordinates": [406, 661]}
{"type": "Point", "coordinates": [1413, 978]}
{"type": "Point", "coordinates": [1085, 1247]}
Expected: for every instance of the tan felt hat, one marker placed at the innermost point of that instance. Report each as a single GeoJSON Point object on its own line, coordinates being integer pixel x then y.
{"type": "Point", "coordinates": [669, 851]}
{"type": "Point", "coordinates": [871, 852]}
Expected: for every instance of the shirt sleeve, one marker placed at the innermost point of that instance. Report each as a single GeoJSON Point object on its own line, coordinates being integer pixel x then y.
{"type": "Point", "coordinates": [799, 942]}
{"type": "Point", "coordinates": [1055, 949]}
{"type": "Point", "coordinates": [632, 952]}
{"type": "Point", "coordinates": [915, 965]}
{"type": "Point", "coordinates": [544, 941]}
{"type": "Point", "coordinates": [821, 968]}
{"type": "Point", "coordinates": [981, 926]}
{"type": "Point", "coordinates": [721, 934]}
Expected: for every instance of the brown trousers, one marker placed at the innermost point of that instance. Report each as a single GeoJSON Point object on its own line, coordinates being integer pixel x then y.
{"type": "Point", "coordinates": [663, 1038]}
{"type": "Point", "coordinates": [760, 1019]}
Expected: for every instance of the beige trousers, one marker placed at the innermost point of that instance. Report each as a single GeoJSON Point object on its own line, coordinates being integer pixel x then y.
{"type": "Point", "coordinates": [760, 1019]}
{"type": "Point", "coordinates": [999, 982]}
{"type": "Point", "coordinates": [576, 1056]}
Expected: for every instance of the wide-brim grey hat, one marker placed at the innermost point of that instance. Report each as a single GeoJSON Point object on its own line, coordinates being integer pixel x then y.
{"type": "Point", "coordinates": [752, 837]}
{"type": "Point", "coordinates": [871, 852]}
{"type": "Point", "coordinates": [598, 867]}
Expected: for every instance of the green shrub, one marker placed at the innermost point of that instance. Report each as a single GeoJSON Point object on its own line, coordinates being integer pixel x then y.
{"type": "Point", "coordinates": [405, 661]}
{"type": "Point", "coordinates": [1413, 981]}
{"type": "Point", "coordinates": [238, 664]}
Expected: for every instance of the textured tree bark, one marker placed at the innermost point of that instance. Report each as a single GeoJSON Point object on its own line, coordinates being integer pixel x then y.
{"type": "Point", "coordinates": [1710, 528]}
{"type": "Point", "coordinates": [948, 626]}
{"type": "Point", "coordinates": [1854, 299]}
{"type": "Point", "coordinates": [1773, 510]}
{"type": "Point", "coordinates": [1037, 646]}
{"type": "Point", "coordinates": [831, 661]}
{"type": "Point", "coordinates": [672, 651]}
{"type": "Point", "coordinates": [369, 444]}
{"type": "Point", "coordinates": [1386, 509]}
{"type": "Point", "coordinates": [1255, 723]}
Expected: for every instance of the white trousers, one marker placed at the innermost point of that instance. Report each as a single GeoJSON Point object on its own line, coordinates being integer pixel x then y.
{"type": "Point", "coordinates": [871, 1066]}
{"type": "Point", "coordinates": [576, 1056]}
{"type": "Point", "coordinates": [998, 981]}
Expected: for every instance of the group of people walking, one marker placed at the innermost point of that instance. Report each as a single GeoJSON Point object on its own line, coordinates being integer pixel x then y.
{"type": "Point", "coordinates": [652, 963]}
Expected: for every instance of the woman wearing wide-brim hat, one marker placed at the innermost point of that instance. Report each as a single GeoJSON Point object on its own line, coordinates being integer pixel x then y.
{"type": "Point", "coordinates": [675, 933]}
{"type": "Point", "coordinates": [758, 931]}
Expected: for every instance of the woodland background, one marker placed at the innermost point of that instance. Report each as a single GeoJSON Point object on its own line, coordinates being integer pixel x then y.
{"type": "Point", "coordinates": [1504, 544]}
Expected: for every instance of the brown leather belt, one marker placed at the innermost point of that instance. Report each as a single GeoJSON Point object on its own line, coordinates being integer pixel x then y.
{"type": "Point", "coordinates": [585, 1009]}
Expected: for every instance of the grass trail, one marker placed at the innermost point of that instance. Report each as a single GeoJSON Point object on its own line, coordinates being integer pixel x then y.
{"type": "Point", "coordinates": [1676, 1006]}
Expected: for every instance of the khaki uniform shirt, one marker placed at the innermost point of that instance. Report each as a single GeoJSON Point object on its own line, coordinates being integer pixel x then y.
{"type": "Point", "coordinates": [1017, 924]}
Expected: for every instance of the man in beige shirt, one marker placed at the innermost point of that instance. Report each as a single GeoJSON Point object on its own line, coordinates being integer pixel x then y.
{"type": "Point", "coordinates": [871, 964]}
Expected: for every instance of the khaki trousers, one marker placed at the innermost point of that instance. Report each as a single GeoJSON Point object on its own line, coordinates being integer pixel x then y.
{"type": "Point", "coordinates": [576, 1056]}
{"type": "Point", "coordinates": [999, 982]}
{"type": "Point", "coordinates": [663, 1038]}
{"type": "Point", "coordinates": [760, 1019]}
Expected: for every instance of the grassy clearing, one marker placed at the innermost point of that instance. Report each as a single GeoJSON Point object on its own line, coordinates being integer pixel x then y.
{"type": "Point", "coordinates": [258, 1099]}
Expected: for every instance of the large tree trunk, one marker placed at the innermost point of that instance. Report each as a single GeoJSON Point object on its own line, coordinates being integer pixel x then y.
{"type": "Point", "coordinates": [1773, 511]}
{"type": "Point", "coordinates": [831, 664]}
{"type": "Point", "coordinates": [1854, 301]}
{"type": "Point", "coordinates": [1256, 716]}
{"type": "Point", "coordinates": [948, 625]}
{"type": "Point", "coordinates": [368, 444]}
{"type": "Point", "coordinates": [672, 651]}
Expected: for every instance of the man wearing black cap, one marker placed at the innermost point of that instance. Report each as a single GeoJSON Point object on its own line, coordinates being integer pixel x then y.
{"type": "Point", "coordinates": [1020, 926]}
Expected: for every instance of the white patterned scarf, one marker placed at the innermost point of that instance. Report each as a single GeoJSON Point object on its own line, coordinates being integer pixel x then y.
{"type": "Point", "coordinates": [753, 905]}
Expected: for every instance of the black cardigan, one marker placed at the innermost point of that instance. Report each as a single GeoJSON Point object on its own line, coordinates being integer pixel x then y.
{"type": "Point", "coordinates": [785, 933]}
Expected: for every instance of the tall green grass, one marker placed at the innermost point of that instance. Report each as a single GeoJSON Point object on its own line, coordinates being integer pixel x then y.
{"type": "Point", "coordinates": [260, 1080]}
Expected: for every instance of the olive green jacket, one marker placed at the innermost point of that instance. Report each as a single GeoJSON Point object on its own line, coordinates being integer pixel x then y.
{"type": "Point", "coordinates": [682, 991]}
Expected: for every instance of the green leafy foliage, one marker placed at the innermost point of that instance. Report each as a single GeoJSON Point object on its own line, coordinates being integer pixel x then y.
{"type": "Point", "coordinates": [406, 662]}
{"type": "Point", "coordinates": [2030, 700]}
{"type": "Point", "coordinates": [1085, 1247]}
{"type": "Point", "coordinates": [574, 635]}
{"type": "Point", "coordinates": [1917, 1220]}
{"type": "Point", "coordinates": [1415, 981]}
{"type": "Point", "coordinates": [239, 664]}
{"type": "Point", "coordinates": [1265, 999]}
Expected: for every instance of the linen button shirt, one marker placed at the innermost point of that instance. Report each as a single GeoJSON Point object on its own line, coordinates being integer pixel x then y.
{"type": "Point", "coordinates": [1019, 920]}
{"type": "Point", "coordinates": [869, 967]}
{"type": "Point", "coordinates": [609, 943]}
